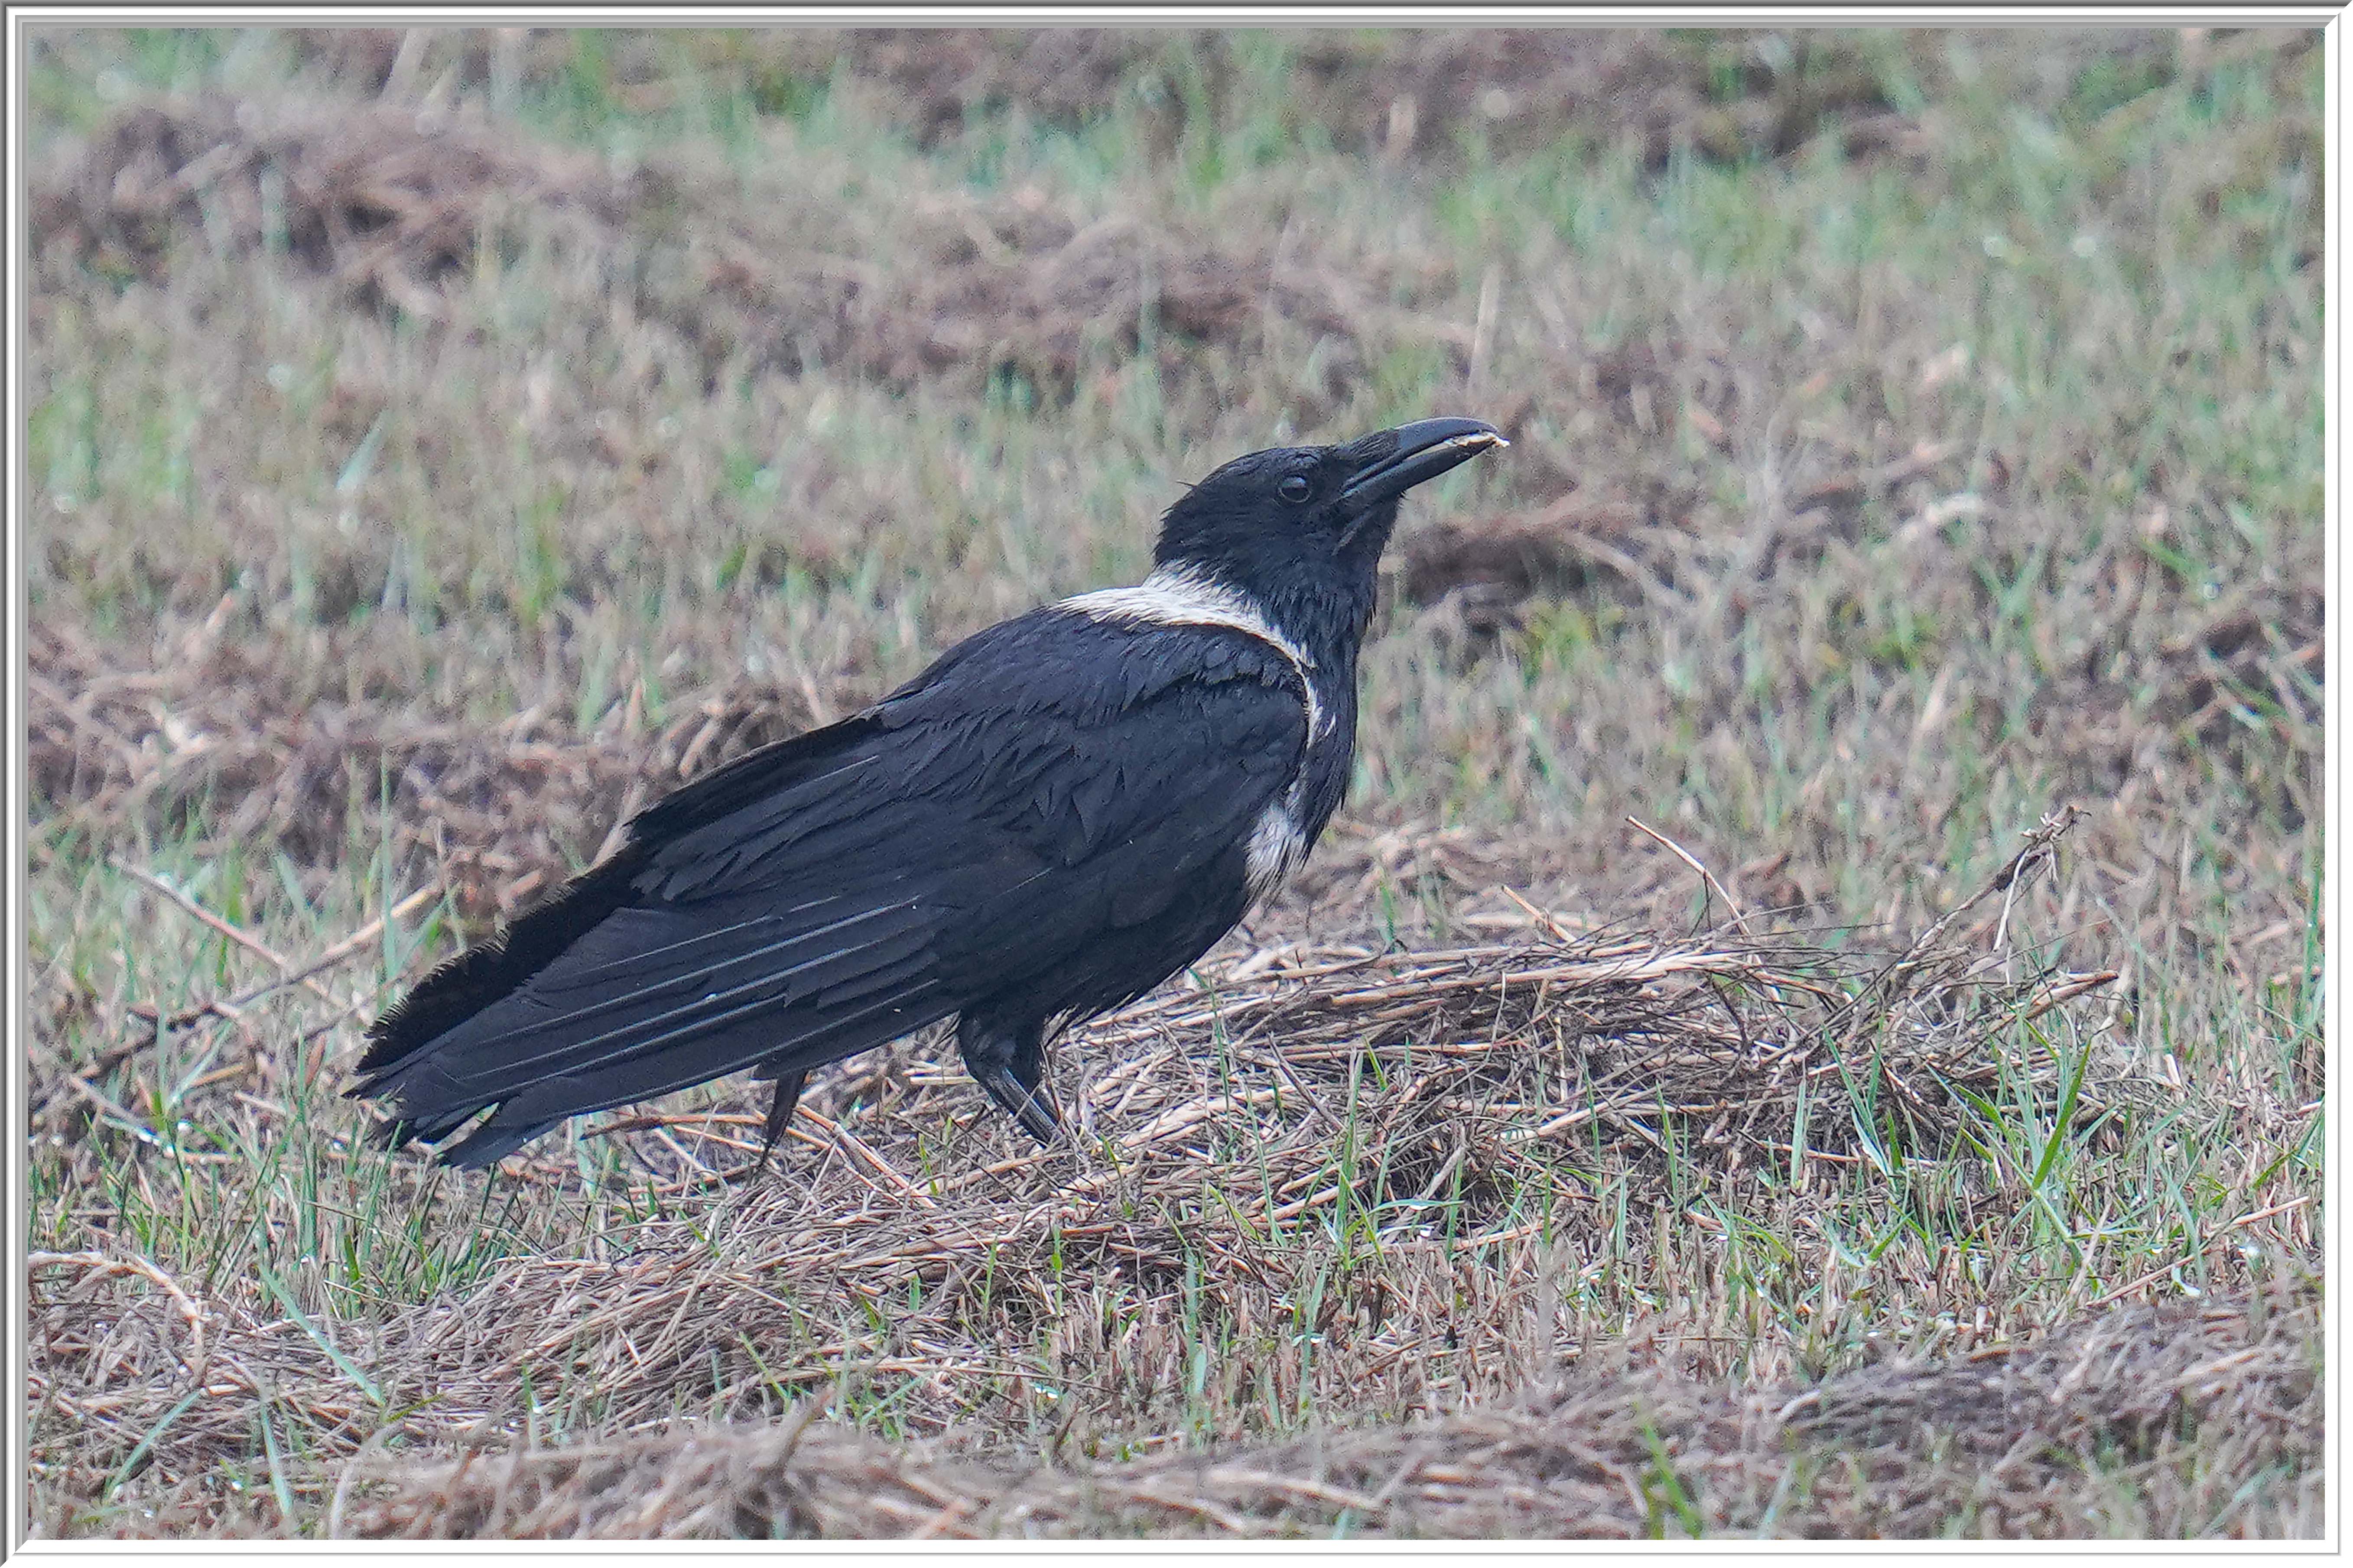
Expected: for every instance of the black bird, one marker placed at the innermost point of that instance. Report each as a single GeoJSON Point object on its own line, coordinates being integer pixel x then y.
{"type": "Point", "coordinates": [1063, 812]}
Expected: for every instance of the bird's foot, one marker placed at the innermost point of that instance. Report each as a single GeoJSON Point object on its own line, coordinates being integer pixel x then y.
{"type": "Point", "coordinates": [1029, 1104]}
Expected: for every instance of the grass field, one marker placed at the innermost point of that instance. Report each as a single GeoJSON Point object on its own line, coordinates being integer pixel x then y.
{"type": "Point", "coordinates": [440, 444]}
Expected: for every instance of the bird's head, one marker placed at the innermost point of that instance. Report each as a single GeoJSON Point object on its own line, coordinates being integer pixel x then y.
{"type": "Point", "coordinates": [1293, 518]}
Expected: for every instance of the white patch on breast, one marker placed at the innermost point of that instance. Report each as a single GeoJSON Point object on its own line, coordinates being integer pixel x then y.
{"type": "Point", "coordinates": [1276, 848]}
{"type": "Point", "coordinates": [1173, 596]}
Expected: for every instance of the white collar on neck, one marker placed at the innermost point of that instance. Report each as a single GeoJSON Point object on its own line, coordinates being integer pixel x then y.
{"type": "Point", "coordinates": [1175, 595]}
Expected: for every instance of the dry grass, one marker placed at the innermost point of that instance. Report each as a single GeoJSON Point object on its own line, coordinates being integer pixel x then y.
{"type": "Point", "coordinates": [443, 441]}
{"type": "Point", "coordinates": [1436, 1115]}
{"type": "Point", "coordinates": [1434, 97]}
{"type": "Point", "coordinates": [1380, 1181]}
{"type": "Point", "coordinates": [212, 725]}
{"type": "Point", "coordinates": [389, 203]}
{"type": "Point", "coordinates": [2165, 1401]}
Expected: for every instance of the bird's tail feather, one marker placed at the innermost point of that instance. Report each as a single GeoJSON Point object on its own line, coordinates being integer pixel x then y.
{"type": "Point", "coordinates": [481, 976]}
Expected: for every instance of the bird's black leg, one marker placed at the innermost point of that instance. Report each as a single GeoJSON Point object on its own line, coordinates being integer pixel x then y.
{"type": "Point", "coordinates": [1008, 1059]}
{"type": "Point", "coordinates": [780, 1113]}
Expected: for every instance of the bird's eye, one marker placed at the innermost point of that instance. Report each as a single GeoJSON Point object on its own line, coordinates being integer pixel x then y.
{"type": "Point", "coordinates": [1293, 490]}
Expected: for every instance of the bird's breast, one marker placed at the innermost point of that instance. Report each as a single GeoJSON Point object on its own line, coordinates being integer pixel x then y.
{"type": "Point", "coordinates": [1289, 825]}
{"type": "Point", "coordinates": [1278, 843]}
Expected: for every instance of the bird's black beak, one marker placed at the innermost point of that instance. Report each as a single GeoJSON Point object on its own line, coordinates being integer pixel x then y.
{"type": "Point", "coordinates": [1391, 462]}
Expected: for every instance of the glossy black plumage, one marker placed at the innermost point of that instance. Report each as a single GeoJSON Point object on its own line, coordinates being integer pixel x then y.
{"type": "Point", "coordinates": [1064, 811]}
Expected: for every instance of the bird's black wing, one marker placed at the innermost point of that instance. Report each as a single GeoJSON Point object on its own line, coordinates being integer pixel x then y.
{"type": "Point", "coordinates": [1048, 782]}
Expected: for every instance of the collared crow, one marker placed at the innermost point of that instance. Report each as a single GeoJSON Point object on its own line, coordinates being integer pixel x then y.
{"type": "Point", "coordinates": [1063, 812]}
